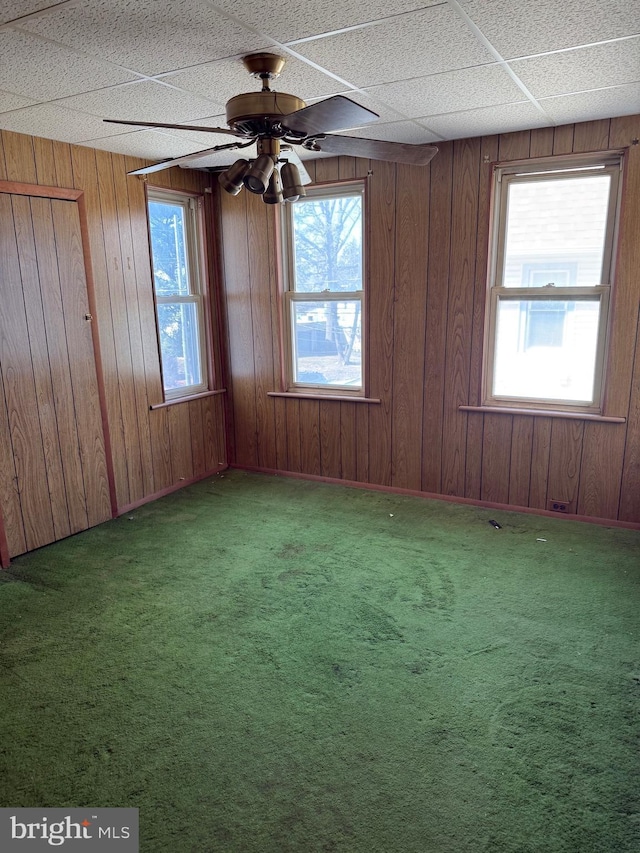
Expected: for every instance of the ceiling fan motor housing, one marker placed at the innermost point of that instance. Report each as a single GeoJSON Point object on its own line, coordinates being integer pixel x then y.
{"type": "Point", "coordinates": [253, 113]}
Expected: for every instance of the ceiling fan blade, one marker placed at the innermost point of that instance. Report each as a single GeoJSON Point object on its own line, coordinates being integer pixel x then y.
{"type": "Point", "coordinates": [337, 113]}
{"type": "Point", "coordinates": [376, 149]}
{"type": "Point", "coordinates": [177, 161]}
{"type": "Point", "coordinates": [290, 154]}
{"type": "Point", "coordinates": [173, 126]}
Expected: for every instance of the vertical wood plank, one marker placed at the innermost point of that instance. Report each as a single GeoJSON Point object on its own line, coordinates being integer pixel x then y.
{"type": "Point", "coordinates": [261, 257]}
{"type": "Point", "coordinates": [44, 162]}
{"type": "Point", "coordinates": [630, 491]}
{"type": "Point", "coordinates": [475, 425]}
{"type": "Point", "coordinates": [565, 457]}
{"type": "Point", "coordinates": [196, 424]}
{"type": "Point", "coordinates": [280, 421]}
{"type": "Point", "coordinates": [520, 463]}
{"type": "Point", "coordinates": [514, 146]}
{"type": "Point", "coordinates": [409, 322]}
{"type": "Point", "coordinates": [139, 399]}
{"type": "Point", "coordinates": [9, 492]}
{"type": "Point", "coordinates": [330, 439]}
{"type": "Point", "coordinates": [62, 163]}
{"type": "Point", "coordinates": [601, 470]}
{"type": "Point", "coordinates": [540, 463]}
{"type": "Point", "coordinates": [120, 324]}
{"type": "Point", "coordinates": [88, 413]}
{"type": "Point", "coordinates": [180, 441]}
{"type": "Point", "coordinates": [591, 136]}
{"type": "Point", "coordinates": [157, 420]}
{"type": "Point", "coordinates": [460, 313]}
{"type": "Point", "coordinates": [348, 441]}
{"type": "Point", "coordinates": [496, 458]}
{"type": "Point", "coordinates": [20, 391]}
{"type": "Point", "coordinates": [238, 311]}
{"type": "Point", "coordinates": [440, 202]}
{"type": "Point", "coordinates": [625, 291]}
{"type": "Point", "coordinates": [294, 451]}
{"type": "Point", "coordinates": [85, 178]}
{"type": "Point", "coordinates": [219, 418]}
{"type": "Point", "coordinates": [32, 284]}
{"type": "Point", "coordinates": [381, 234]}
{"type": "Point", "coordinates": [210, 428]}
{"type": "Point", "coordinates": [327, 169]}
{"type": "Point", "coordinates": [563, 139]}
{"type": "Point", "coordinates": [362, 442]}
{"type": "Point", "coordinates": [18, 155]}
{"type": "Point", "coordinates": [310, 437]}
{"type": "Point", "coordinates": [58, 362]}
{"type": "Point", "coordinates": [541, 144]}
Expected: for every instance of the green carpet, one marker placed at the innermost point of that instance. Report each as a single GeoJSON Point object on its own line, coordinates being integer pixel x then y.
{"type": "Point", "coordinates": [265, 665]}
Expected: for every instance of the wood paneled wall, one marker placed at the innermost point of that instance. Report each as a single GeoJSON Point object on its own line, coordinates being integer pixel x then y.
{"type": "Point", "coordinates": [152, 450]}
{"type": "Point", "coordinates": [428, 235]}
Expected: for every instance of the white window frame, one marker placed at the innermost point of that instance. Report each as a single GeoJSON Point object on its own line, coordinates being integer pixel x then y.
{"type": "Point", "coordinates": [291, 295]}
{"type": "Point", "coordinates": [192, 205]}
{"type": "Point", "coordinates": [505, 175]}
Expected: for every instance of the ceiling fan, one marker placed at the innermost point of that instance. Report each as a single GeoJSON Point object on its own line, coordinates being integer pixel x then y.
{"type": "Point", "coordinates": [276, 121]}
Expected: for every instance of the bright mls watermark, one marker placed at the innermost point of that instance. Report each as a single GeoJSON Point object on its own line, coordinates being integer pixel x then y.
{"type": "Point", "coordinates": [82, 830]}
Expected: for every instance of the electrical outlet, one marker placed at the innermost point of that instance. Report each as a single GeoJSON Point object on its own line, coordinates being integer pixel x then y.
{"type": "Point", "coordinates": [558, 506]}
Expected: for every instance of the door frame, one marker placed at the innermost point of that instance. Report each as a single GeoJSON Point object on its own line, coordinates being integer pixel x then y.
{"type": "Point", "coordinates": [77, 196]}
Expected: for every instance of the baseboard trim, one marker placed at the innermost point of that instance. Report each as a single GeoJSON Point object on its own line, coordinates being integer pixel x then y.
{"type": "Point", "coordinates": [355, 484]}
{"type": "Point", "coordinates": [181, 484]}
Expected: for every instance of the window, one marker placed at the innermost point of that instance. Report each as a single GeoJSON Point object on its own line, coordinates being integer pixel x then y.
{"type": "Point", "coordinates": [179, 282]}
{"type": "Point", "coordinates": [323, 236]}
{"type": "Point", "coordinates": [550, 279]}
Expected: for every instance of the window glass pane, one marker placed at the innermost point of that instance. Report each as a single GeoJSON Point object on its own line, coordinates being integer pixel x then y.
{"type": "Point", "coordinates": [327, 244]}
{"type": "Point", "coordinates": [555, 232]}
{"type": "Point", "coordinates": [169, 248]}
{"type": "Point", "coordinates": [327, 343]}
{"type": "Point", "coordinates": [179, 345]}
{"type": "Point", "coordinates": [546, 349]}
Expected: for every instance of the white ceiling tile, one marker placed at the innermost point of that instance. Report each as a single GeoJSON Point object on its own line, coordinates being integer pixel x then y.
{"type": "Point", "coordinates": [453, 91]}
{"type": "Point", "coordinates": [9, 101]}
{"type": "Point", "coordinates": [412, 45]}
{"type": "Point", "coordinates": [12, 9]}
{"type": "Point", "coordinates": [522, 28]}
{"type": "Point", "coordinates": [225, 78]}
{"type": "Point", "coordinates": [56, 71]}
{"type": "Point", "coordinates": [143, 101]}
{"type": "Point", "coordinates": [287, 21]}
{"type": "Point", "coordinates": [578, 70]}
{"type": "Point", "coordinates": [146, 35]}
{"type": "Point", "coordinates": [145, 143]}
{"type": "Point", "coordinates": [489, 120]}
{"type": "Point", "coordinates": [55, 122]}
{"type": "Point", "coordinates": [588, 106]}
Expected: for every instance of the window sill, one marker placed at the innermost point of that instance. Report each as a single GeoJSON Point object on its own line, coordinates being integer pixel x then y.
{"type": "Point", "coordinates": [177, 400]}
{"type": "Point", "coordinates": [543, 413]}
{"type": "Point", "coordinates": [339, 398]}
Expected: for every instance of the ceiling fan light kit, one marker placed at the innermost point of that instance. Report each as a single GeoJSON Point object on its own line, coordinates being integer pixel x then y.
{"type": "Point", "coordinates": [233, 179]}
{"type": "Point", "coordinates": [270, 119]}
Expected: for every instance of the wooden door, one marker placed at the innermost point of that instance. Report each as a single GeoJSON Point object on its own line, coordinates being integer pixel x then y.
{"type": "Point", "coordinates": [54, 474]}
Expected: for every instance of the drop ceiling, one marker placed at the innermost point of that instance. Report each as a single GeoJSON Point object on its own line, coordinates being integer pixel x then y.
{"type": "Point", "coordinates": [432, 69]}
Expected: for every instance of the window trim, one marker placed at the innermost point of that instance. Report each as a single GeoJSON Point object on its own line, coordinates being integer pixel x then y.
{"type": "Point", "coordinates": [548, 168]}
{"type": "Point", "coordinates": [329, 189]}
{"type": "Point", "coordinates": [193, 205]}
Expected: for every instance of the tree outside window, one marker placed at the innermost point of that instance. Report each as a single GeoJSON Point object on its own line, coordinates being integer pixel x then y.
{"type": "Point", "coordinates": [324, 248]}
{"type": "Point", "coordinates": [178, 284]}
